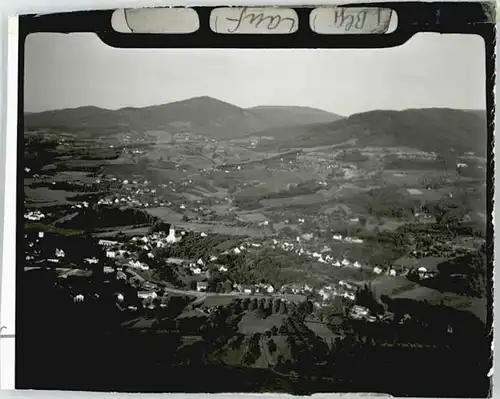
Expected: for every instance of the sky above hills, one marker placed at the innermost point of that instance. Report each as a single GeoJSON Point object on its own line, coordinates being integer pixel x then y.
{"type": "Point", "coordinates": [66, 71]}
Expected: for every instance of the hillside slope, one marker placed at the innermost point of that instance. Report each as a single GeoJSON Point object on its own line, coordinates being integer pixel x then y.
{"type": "Point", "coordinates": [278, 116]}
{"type": "Point", "coordinates": [203, 115]}
{"type": "Point", "coordinates": [435, 129]}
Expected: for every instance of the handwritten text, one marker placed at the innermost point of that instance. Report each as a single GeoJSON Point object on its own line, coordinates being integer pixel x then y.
{"type": "Point", "coordinates": [271, 21]}
{"type": "Point", "coordinates": [356, 20]}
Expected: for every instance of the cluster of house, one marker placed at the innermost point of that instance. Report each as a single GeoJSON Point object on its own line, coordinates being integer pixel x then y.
{"type": "Point", "coordinates": [146, 198]}
{"type": "Point", "coordinates": [296, 288]}
{"type": "Point", "coordinates": [198, 267]}
{"type": "Point", "coordinates": [158, 240]}
{"type": "Point", "coordinates": [343, 289]}
{"type": "Point", "coordinates": [350, 240]}
{"type": "Point", "coordinates": [316, 163]}
{"type": "Point", "coordinates": [84, 204]}
{"type": "Point", "coordinates": [138, 192]}
{"type": "Point", "coordinates": [361, 313]}
{"type": "Point", "coordinates": [115, 249]}
{"type": "Point", "coordinates": [130, 200]}
{"type": "Point", "coordinates": [321, 257]}
{"type": "Point", "coordinates": [260, 288]}
{"type": "Point", "coordinates": [35, 215]}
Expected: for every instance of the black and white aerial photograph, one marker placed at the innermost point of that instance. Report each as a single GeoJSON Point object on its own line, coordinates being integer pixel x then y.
{"type": "Point", "coordinates": [254, 221]}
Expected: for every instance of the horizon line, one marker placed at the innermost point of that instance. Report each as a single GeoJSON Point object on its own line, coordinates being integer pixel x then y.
{"type": "Point", "coordinates": [25, 112]}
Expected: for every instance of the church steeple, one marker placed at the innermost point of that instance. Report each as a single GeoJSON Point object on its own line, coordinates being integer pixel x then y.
{"type": "Point", "coordinates": [171, 235]}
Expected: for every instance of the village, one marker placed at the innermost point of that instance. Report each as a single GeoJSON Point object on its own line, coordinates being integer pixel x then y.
{"type": "Point", "coordinates": [132, 261]}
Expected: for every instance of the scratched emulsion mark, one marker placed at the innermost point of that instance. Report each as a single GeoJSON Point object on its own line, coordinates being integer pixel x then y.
{"type": "Point", "coordinates": [350, 20]}
{"type": "Point", "coordinates": [489, 8]}
{"type": "Point", "coordinates": [251, 20]}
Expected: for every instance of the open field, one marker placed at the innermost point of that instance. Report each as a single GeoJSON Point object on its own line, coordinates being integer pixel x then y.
{"type": "Point", "coordinates": [47, 196]}
{"type": "Point", "coordinates": [126, 230]}
{"type": "Point", "coordinates": [165, 213]}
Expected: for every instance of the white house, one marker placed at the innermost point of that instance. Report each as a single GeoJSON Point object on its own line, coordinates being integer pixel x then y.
{"type": "Point", "coordinates": [41, 234]}
{"type": "Point", "coordinates": [147, 295]}
{"type": "Point", "coordinates": [201, 286]}
{"type": "Point", "coordinates": [91, 261]}
{"type": "Point", "coordinates": [223, 269]}
{"type": "Point", "coordinates": [270, 289]}
{"type": "Point", "coordinates": [60, 253]}
{"type": "Point", "coordinates": [345, 262]}
{"type": "Point", "coordinates": [422, 272]}
{"type": "Point", "coordinates": [108, 269]}
{"type": "Point", "coordinates": [377, 270]}
{"type": "Point", "coordinates": [237, 251]}
{"type": "Point", "coordinates": [78, 298]}
{"type": "Point", "coordinates": [110, 254]}
{"type": "Point", "coordinates": [357, 264]}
